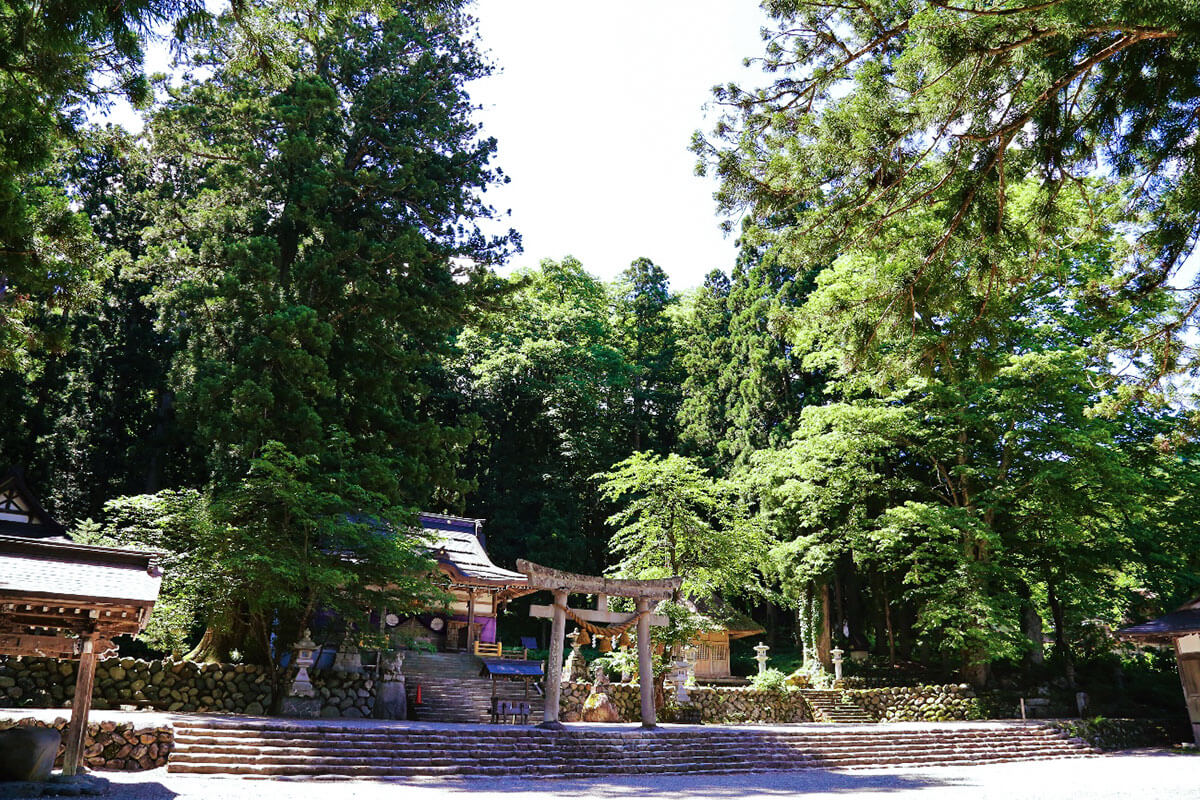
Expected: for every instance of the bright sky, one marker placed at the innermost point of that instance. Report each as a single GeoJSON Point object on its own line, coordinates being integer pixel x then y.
{"type": "Point", "coordinates": [593, 107]}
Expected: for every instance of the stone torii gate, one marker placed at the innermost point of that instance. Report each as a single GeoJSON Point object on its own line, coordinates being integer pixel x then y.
{"type": "Point", "coordinates": [563, 584]}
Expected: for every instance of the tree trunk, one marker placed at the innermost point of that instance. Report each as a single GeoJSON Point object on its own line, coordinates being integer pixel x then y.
{"type": "Point", "coordinates": [214, 646]}
{"type": "Point", "coordinates": [1031, 626]}
{"type": "Point", "coordinates": [1061, 647]}
{"type": "Point", "coordinates": [825, 639]}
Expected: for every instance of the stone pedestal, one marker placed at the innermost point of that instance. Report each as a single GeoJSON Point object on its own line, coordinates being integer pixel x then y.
{"type": "Point", "coordinates": [302, 707]}
{"type": "Point", "coordinates": [391, 702]}
{"type": "Point", "coordinates": [348, 658]}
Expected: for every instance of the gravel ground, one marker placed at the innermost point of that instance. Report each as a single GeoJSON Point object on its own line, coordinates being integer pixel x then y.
{"type": "Point", "coordinates": [1144, 775]}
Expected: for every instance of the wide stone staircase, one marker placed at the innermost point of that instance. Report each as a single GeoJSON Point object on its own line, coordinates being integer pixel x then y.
{"type": "Point", "coordinates": [829, 705]}
{"type": "Point", "coordinates": [260, 748]}
{"type": "Point", "coordinates": [453, 691]}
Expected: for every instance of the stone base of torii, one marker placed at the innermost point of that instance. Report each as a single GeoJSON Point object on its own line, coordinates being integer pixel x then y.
{"type": "Point", "coordinates": [564, 584]}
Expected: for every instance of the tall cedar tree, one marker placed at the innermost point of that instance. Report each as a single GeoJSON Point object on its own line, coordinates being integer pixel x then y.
{"type": "Point", "coordinates": [704, 354]}
{"type": "Point", "coordinates": [644, 301]}
{"type": "Point", "coordinates": [316, 248]}
{"type": "Point", "coordinates": [97, 420]}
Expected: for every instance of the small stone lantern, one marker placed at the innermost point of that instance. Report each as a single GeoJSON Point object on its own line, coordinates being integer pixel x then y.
{"type": "Point", "coordinates": [576, 666]}
{"type": "Point", "coordinates": [836, 654]}
{"type": "Point", "coordinates": [760, 655]}
{"type": "Point", "coordinates": [301, 684]}
{"type": "Point", "coordinates": [679, 675]}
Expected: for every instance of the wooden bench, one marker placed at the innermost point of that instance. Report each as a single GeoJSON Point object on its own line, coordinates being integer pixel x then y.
{"type": "Point", "coordinates": [497, 650]}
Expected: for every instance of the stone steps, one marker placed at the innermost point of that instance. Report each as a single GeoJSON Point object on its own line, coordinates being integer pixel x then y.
{"type": "Point", "coordinates": [267, 748]}
{"type": "Point", "coordinates": [453, 691]}
{"type": "Point", "coordinates": [829, 705]}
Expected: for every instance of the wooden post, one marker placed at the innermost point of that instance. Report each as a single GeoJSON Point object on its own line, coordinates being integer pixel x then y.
{"type": "Point", "coordinates": [645, 663]}
{"type": "Point", "coordinates": [77, 729]}
{"type": "Point", "coordinates": [558, 630]}
{"type": "Point", "coordinates": [470, 620]}
{"type": "Point", "coordinates": [1189, 677]}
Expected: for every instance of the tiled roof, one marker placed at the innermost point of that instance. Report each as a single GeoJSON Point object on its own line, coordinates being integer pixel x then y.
{"type": "Point", "coordinates": [462, 552]}
{"type": "Point", "coordinates": [1166, 627]}
{"type": "Point", "coordinates": [65, 571]}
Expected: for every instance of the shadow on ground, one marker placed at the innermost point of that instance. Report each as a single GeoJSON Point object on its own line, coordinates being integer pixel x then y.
{"type": "Point", "coordinates": [733, 785]}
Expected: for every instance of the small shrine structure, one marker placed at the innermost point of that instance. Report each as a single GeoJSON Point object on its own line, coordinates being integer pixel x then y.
{"type": "Point", "coordinates": [60, 599]}
{"type": "Point", "coordinates": [712, 646]}
{"type": "Point", "coordinates": [1181, 630]}
{"type": "Point", "coordinates": [562, 585]}
{"type": "Point", "coordinates": [479, 587]}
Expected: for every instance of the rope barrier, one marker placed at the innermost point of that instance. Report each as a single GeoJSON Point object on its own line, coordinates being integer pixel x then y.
{"type": "Point", "coordinates": [594, 630]}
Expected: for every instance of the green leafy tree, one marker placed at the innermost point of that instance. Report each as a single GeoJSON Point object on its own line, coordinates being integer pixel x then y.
{"type": "Point", "coordinates": [547, 377]}
{"type": "Point", "coordinates": [675, 520]}
{"type": "Point", "coordinates": [178, 525]}
{"type": "Point", "coordinates": [643, 320]}
{"type": "Point", "coordinates": [1010, 469]}
{"type": "Point", "coordinates": [886, 123]}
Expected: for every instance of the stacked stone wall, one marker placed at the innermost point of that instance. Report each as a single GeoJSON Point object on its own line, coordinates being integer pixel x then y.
{"type": "Point", "coordinates": [175, 686]}
{"type": "Point", "coordinates": [112, 745]}
{"type": "Point", "coordinates": [1108, 733]}
{"type": "Point", "coordinates": [343, 694]}
{"type": "Point", "coordinates": [716, 704]}
{"type": "Point", "coordinates": [918, 703]}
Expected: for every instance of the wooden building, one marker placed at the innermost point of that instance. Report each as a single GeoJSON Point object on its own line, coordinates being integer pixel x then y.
{"type": "Point", "coordinates": [479, 587]}
{"type": "Point", "coordinates": [712, 646]}
{"type": "Point", "coordinates": [64, 600]}
{"type": "Point", "coordinates": [1180, 630]}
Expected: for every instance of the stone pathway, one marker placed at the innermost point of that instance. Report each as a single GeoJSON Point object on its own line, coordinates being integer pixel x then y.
{"type": "Point", "coordinates": [1145, 775]}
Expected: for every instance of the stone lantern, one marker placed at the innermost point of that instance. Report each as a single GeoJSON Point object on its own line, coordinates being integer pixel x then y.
{"type": "Point", "coordinates": [760, 655]}
{"type": "Point", "coordinates": [301, 684]}
{"type": "Point", "coordinates": [301, 699]}
{"type": "Point", "coordinates": [679, 676]}
{"type": "Point", "coordinates": [836, 654]}
{"type": "Point", "coordinates": [576, 667]}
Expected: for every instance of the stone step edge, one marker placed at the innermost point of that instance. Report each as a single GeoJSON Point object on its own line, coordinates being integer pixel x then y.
{"type": "Point", "coordinates": [561, 771]}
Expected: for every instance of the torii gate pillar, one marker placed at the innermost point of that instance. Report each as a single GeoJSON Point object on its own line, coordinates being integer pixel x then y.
{"type": "Point", "coordinates": [562, 584]}
{"type": "Point", "coordinates": [645, 663]}
{"type": "Point", "coordinates": [558, 629]}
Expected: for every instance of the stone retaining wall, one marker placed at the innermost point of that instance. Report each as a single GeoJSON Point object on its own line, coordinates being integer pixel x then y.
{"type": "Point", "coordinates": [343, 694]}
{"type": "Point", "coordinates": [112, 745]}
{"type": "Point", "coordinates": [918, 703]}
{"type": "Point", "coordinates": [178, 686]}
{"type": "Point", "coordinates": [716, 704]}
{"type": "Point", "coordinates": [1121, 734]}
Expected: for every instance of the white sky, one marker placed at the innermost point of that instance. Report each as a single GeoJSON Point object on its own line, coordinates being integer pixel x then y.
{"type": "Point", "coordinates": [593, 107]}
